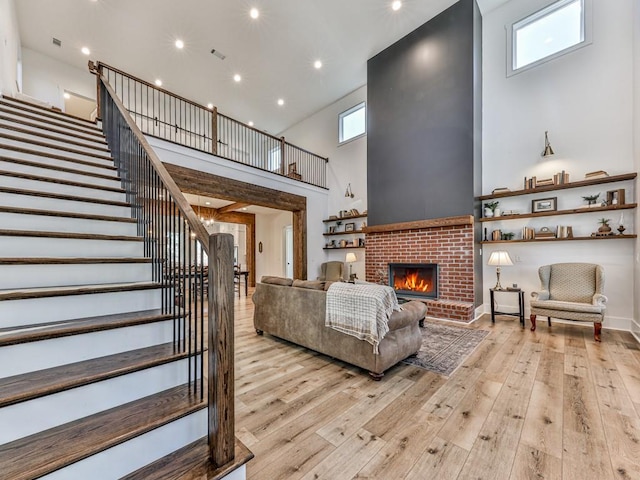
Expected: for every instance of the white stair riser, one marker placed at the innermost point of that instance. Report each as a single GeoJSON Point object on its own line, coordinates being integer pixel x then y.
{"type": "Point", "coordinates": [52, 309]}
{"type": "Point", "coordinates": [47, 172]}
{"type": "Point", "coordinates": [60, 205]}
{"type": "Point", "coordinates": [52, 187]}
{"type": "Point", "coordinates": [17, 247]}
{"type": "Point", "coordinates": [61, 134]}
{"type": "Point", "coordinates": [33, 356]}
{"type": "Point", "coordinates": [53, 275]}
{"type": "Point", "coordinates": [30, 417]}
{"type": "Point", "coordinates": [129, 456]}
{"type": "Point", "coordinates": [60, 121]}
{"type": "Point", "coordinates": [47, 160]}
{"type": "Point", "coordinates": [16, 221]}
{"type": "Point", "coordinates": [58, 141]}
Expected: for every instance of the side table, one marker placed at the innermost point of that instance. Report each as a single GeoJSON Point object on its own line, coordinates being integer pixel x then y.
{"type": "Point", "coordinates": [520, 313]}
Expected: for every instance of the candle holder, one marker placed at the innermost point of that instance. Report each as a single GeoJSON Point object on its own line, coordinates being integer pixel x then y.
{"type": "Point", "coordinates": [621, 229]}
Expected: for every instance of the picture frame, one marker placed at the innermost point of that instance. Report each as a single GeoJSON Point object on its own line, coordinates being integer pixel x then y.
{"type": "Point", "coordinates": [349, 227]}
{"type": "Point", "coordinates": [544, 205]}
{"type": "Point", "coordinates": [615, 197]}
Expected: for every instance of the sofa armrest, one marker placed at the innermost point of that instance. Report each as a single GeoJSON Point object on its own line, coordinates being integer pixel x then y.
{"type": "Point", "coordinates": [599, 299]}
{"type": "Point", "coordinates": [541, 295]}
{"type": "Point", "coordinates": [412, 312]}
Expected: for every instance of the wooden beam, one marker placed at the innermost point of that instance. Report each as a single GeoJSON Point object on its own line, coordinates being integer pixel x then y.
{"type": "Point", "coordinates": [435, 222]}
{"type": "Point", "coordinates": [233, 206]}
{"type": "Point", "coordinates": [208, 185]}
{"type": "Point", "coordinates": [300, 244]}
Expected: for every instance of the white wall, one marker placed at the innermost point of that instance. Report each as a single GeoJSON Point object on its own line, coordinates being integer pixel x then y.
{"type": "Point", "coordinates": [9, 48]}
{"type": "Point", "coordinates": [347, 163]}
{"type": "Point", "coordinates": [635, 327]}
{"type": "Point", "coordinates": [270, 231]}
{"type": "Point", "coordinates": [316, 197]}
{"type": "Point", "coordinates": [584, 99]}
{"type": "Point", "coordinates": [46, 79]}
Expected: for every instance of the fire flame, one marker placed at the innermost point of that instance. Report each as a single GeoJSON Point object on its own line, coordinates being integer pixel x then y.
{"type": "Point", "coordinates": [412, 282]}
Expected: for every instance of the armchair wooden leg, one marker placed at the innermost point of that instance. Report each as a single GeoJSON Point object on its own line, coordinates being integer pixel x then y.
{"type": "Point", "coordinates": [533, 322]}
{"type": "Point", "coordinates": [549, 320]}
{"type": "Point", "coordinates": [597, 330]}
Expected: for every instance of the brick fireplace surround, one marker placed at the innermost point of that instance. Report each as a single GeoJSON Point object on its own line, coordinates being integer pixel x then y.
{"type": "Point", "coordinates": [445, 241]}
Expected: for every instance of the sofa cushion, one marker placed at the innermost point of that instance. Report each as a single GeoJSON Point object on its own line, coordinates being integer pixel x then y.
{"type": "Point", "coordinates": [277, 280]}
{"type": "Point", "coordinates": [311, 284]}
{"type": "Point", "coordinates": [567, 306]}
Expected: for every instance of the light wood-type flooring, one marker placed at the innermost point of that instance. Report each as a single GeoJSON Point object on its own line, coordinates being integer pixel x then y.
{"type": "Point", "coordinates": [546, 405]}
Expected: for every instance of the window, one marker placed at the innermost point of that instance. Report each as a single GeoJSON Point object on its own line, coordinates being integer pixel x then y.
{"type": "Point", "coordinates": [352, 123]}
{"type": "Point", "coordinates": [549, 33]}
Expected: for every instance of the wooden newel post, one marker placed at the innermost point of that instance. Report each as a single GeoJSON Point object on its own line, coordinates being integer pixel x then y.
{"type": "Point", "coordinates": [221, 360]}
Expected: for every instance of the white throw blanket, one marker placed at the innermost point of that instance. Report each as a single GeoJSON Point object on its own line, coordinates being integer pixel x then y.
{"type": "Point", "coordinates": [362, 311]}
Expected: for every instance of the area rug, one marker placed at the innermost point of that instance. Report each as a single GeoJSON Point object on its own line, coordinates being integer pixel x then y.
{"type": "Point", "coordinates": [445, 347]}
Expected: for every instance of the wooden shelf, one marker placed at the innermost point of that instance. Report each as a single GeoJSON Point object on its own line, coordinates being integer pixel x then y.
{"type": "Point", "coordinates": [564, 186]}
{"type": "Point", "coordinates": [343, 233]}
{"type": "Point", "coordinates": [363, 215]}
{"type": "Point", "coordinates": [611, 237]}
{"type": "Point", "coordinates": [626, 206]}
{"type": "Point", "coordinates": [339, 248]}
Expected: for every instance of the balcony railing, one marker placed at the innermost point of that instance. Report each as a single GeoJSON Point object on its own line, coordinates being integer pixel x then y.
{"type": "Point", "coordinates": [160, 113]}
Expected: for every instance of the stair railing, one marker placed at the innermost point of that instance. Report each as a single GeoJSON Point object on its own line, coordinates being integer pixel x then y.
{"type": "Point", "coordinates": [194, 269]}
{"type": "Point", "coordinates": [166, 115]}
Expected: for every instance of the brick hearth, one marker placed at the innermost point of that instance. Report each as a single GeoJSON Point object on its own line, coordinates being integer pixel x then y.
{"type": "Point", "coordinates": [447, 242]}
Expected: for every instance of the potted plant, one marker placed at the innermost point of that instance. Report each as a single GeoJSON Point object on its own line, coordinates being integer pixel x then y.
{"type": "Point", "coordinates": [604, 228]}
{"type": "Point", "coordinates": [490, 208]}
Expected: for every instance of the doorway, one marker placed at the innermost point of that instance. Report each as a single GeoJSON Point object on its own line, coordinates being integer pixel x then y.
{"type": "Point", "coordinates": [288, 251]}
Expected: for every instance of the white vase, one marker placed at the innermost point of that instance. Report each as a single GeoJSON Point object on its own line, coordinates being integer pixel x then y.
{"type": "Point", "coordinates": [497, 212]}
{"type": "Point", "coordinates": [488, 213]}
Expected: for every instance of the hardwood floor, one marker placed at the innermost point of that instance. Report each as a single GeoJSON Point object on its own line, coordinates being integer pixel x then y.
{"type": "Point", "coordinates": [550, 404]}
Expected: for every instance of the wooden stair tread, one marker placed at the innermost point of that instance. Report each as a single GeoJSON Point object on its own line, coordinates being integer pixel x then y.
{"type": "Point", "coordinates": [72, 260]}
{"type": "Point", "coordinates": [85, 173]}
{"type": "Point", "coordinates": [50, 128]}
{"type": "Point", "coordinates": [56, 147]}
{"type": "Point", "coordinates": [60, 196]}
{"type": "Point", "coordinates": [28, 386]}
{"type": "Point", "coordinates": [99, 147]}
{"type": "Point", "coordinates": [33, 116]}
{"type": "Point", "coordinates": [56, 156]}
{"type": "Point", "coordinates": [54, 213]}
{"type": "Point", "coordinates": [78, 236]}
{"type": "Point", "coordinates": [48, 113]}
{"type": "Point", "coordinates": [49, 109]}
{"type": "Point", "coordinates": [47, 451]}
{"type": "Point", "coordinates": [191, 463]}
{"type": "Point", "coordinates": [60, 181]}
{"type": "Point", "coordinates": [44, 331]}
{"type": "Point", "coordinates": [46, 292]}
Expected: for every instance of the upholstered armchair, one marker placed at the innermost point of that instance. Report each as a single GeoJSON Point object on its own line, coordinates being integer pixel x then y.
{"type": "Point", "coordinates": [570, 291]}
{"type": "Point", "coordinates": [331, 271]}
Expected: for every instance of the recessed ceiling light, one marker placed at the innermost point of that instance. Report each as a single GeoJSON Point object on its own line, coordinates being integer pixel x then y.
{"type": "Point", "coordinates": [210, 106]}
{"type": "Point", "coordinates": [207, 203]}
{"type": "Point", "coordinates": [280, 102]}
{"type": "Point", "coordinates": [396, 5]}
{"type": "Point", "coordinates": [158, 82]}
{"type": "Point", "coordinates": [317, 64]}
{"type": "Point", "coordinates": [237, 77]}
{"type": "Point", "coordinates": [85, 50]}
{"type": "Point", "coordinates": [250, 123]}
{"type": "Point", "coordinates": [244, 209]}
{"type": "Point", "coordinates": [254, 13]}
{"type": "Point", "coordinates": [66, 95]}
{"type": "Point", "coordinates": [179, 44]}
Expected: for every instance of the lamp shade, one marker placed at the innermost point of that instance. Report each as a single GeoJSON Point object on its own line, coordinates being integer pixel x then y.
{"type": "Point", "coordinates": [351, 257]}
{"type": "Point", "coordinates": [500, 258]}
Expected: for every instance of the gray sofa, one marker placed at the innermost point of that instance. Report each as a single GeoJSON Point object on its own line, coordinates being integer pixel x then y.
{"type": "Point", "coordinates": [295, 311]}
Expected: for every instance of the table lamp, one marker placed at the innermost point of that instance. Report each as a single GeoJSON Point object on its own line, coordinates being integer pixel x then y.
{"type": "Point", "coordinates": [351, 257]}
{"type": "Point", "coordinates": [498, 259]}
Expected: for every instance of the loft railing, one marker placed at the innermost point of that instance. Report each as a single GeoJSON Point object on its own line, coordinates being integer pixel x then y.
{"type": "Point", "coordinates": [168, 116]}
{"type": "Point", "coordinates": [194, 269]}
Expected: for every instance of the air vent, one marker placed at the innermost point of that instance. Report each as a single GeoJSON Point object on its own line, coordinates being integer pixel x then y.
{"type": "Point", "coordinates": [56, 42]}
{"type": "Point", "coordinates": [218, 54]}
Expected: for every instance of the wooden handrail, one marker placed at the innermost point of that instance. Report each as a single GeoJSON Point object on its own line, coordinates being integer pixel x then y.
{"type": "Point", "coordinates": [194, 222]}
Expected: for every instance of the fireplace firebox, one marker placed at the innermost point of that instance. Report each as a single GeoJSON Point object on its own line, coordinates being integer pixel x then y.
{"type": "Point", "coordinates": [414, 279]}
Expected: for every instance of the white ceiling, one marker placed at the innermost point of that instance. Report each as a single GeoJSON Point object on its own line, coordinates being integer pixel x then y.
{"type": "Point", "coordinates": [274, 54]}
{"type": "Point", "coordinates": [210, 202]}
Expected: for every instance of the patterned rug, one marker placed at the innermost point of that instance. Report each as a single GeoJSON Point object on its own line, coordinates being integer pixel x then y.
{"type": "Point", "coordinates": [445, 347]}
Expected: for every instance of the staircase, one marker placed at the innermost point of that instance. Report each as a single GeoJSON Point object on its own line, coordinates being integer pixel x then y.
{"type": "Point", "coordinates": [93, 381]}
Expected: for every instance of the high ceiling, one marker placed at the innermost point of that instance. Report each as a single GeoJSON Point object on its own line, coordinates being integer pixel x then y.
{"type": "Point", "coordinates": [274, 54]}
